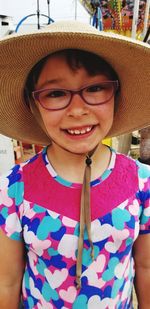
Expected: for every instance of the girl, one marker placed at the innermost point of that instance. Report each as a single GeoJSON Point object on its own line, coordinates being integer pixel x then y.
{"type": "Point", "coordinates": [75, 217]}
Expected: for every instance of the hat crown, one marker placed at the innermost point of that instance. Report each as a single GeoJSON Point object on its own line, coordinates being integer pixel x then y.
{"type": "Point", "coordinates": [74, 26]}
{"type": "Point", "coordinates": [70, 26]}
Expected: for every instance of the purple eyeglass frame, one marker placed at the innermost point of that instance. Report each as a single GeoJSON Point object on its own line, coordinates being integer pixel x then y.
{"type": "Point", "coordinates": [36, 93]}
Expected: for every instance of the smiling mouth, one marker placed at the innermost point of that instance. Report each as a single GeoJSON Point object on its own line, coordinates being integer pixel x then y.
{"type": "Point", "coordinates": [81, 131]}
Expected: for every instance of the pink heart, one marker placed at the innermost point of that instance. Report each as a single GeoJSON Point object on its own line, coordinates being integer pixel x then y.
{"type": "Point", "coordinates": [69, 295]}
{"type": "Point", "coordinates": [99, 264]}
{"type": "Point", "coordinates": [134, 208]}
{"type": "Point", "coordinates": [7, 201]}
{"type": "Point", "coordinates": [118, 236]}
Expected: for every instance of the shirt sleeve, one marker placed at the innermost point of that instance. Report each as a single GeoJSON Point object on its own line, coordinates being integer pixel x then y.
{"type": "Point", "coordinates": [144, 197]}
{"type": "Point", "coordinates": [11, 202]}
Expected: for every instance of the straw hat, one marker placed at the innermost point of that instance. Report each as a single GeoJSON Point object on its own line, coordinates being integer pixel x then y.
{"type": "Point", "coordinates": [19, 53]}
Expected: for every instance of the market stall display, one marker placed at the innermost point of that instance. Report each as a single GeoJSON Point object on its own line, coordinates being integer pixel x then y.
{"type": "Point", "coordinates": [119, 15]}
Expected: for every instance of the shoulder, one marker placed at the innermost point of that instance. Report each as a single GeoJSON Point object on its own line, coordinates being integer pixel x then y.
{"type": "Point", "coordinates": [131, 173]}
{"type": "Point", "coordinates": [137, 173]}
{"type": "Point", "coordinates": [132, 166]}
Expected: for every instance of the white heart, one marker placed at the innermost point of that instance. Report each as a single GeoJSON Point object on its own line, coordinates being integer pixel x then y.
{"type": "Point", "coordinates": [69, 222]}
{"type": "Point", "coordinates": [100, 231]}
{"type": "Point", "coordinates": [111, 246]}
{"type": "Point", "coordinates": [118, 236]}
{"type": "Point", "coordinates": [34, 291]}
{"type": "Point", "coordinates": [95, 302]}
{"type": "Point", "coordinates": [147, 211]}
{"type": "Point", "coordinates": [29, 236]}
{"type": "Point", "coordinates": [13, 223]}
{"type": "Point", "coordinates": [40, 245]}
{"type": "Point", "coordinates": [69, 250]}
{"type": "Point", "coordinates": [56, 278]}
{"type": "Point", "coordinates": [121, 268]}
{"type": "Point", "coordinates": [93, 279]}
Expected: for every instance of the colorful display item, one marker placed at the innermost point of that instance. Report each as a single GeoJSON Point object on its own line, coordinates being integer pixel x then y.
{"type": "Point", "coordinates": [117, 15]}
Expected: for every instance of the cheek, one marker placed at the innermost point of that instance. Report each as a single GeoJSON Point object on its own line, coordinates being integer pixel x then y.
{"type": "Point", "coordinates": [51, 118]}
{"type": "Point", "coordinates": [105, 112]}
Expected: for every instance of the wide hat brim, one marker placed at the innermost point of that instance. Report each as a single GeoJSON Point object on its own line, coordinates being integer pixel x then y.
{"type": "Point", "coordinates": [19, 53]}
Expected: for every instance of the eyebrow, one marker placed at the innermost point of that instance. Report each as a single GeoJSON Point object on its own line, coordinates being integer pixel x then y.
{"type": "Point", "coordinates": [50, 82]}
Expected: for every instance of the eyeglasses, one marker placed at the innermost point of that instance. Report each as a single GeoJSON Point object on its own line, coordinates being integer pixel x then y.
{"type": "Point", "coordinates": [94, 94]}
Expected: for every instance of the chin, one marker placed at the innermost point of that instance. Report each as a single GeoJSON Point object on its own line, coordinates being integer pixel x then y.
{"type": "Point", "coordinates": [82, 149]}
{"type": "Point", "coordinates": [77, 147]}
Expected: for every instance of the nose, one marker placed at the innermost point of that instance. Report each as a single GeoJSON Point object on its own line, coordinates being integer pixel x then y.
{"type": "Point", "coordinates": [77, 106]}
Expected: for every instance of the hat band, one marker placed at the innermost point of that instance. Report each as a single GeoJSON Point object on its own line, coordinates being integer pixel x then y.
{"type": "Point", "coordinates": [85, 218]}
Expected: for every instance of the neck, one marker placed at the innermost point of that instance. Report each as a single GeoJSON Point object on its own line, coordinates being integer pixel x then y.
{"type": "Point", "coordinates": [71, 166]}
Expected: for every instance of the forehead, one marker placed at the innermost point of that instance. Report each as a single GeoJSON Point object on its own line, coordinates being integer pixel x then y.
{"type": "Point", "coordinates": [56, 69]}
{"type": "Point", "coordinates": [55, 60]}
{"type": "Point", "coordinates": [75, 61]}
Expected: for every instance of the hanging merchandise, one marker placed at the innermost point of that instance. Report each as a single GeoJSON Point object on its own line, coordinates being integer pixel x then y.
{"type": "Point", "coordinates": [108, 14]}
{"type": "Point", "coordinates": [105, 13]}
{"type": "Point", "coordinates": [127, 13]}
{"type": "Point", "coordinates": [107, 10]}
{"type": "Point", "coordinates": [116, 15]}
{"type": "Point", "coordinates": [98, 16]}
{"type": "Point", "coordinates": [115, 9]}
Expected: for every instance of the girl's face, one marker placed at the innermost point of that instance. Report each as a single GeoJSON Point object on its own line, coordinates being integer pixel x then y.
{"type": "Point", "coordinates": [79, 127]}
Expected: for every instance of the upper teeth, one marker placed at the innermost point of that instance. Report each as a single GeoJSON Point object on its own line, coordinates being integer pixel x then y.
{"type": "Point", "coordinates": [82, 131]}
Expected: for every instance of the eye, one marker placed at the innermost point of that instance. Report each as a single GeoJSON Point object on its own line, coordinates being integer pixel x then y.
{"type": "Point", "coordinates": [55, 93]}
{"type": "Point", "coordinates": [95, 88]}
